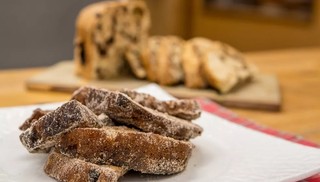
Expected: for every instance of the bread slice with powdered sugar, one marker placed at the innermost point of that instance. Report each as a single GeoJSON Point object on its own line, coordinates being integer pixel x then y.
{"type": "Point", "coordinates": [64, 168]}
{"type": "Point", "coordinates": [187, 109]}
{"type": "Point", "coordinates": [132, 149]}
{"type": "Point", "coordinates": [121, 108]}
{"type": "Point", "coordinates": [43, 133]}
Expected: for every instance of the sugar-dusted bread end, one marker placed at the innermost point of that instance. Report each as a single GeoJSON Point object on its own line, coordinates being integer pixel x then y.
{"type": "Point", "coordinates": [63, 168]}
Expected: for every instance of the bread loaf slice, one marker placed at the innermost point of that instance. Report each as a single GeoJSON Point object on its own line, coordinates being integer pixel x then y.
{"type": "Point", "coordinates": [107, 35]}
{"type": "Point", "coordinates": [193, 63]}
{"type": "Point", "coordinates": [65, 169]}
{"type": "Point", "coordinates": [42, 134]}
{"type": "Point", "coordinates": [218, 74]}
{"type": "Point", "coordinates": [225, 67]}
{"type": "Point", "coordinates": [214, 63]}
{"type": "Point", "coordinates": [163, 60]}
{"type": "Point", "coordinates": [134, 59]}
{"type": "Point", "coordinates": [169, 62]}
{"type": "Point", "coordinates": [183, 108]}
{"type": "Point", "coordinates": [236, 59]}
{"type": "Point", "coordinates": [123, 109]}
{"type": "Point", "coordinates": [150, 57]}
{"type": "Point", "coordinates": [120, 146]}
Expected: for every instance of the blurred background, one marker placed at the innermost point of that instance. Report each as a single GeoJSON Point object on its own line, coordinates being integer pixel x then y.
{"type": "Point", "coordinates": [40, 32]}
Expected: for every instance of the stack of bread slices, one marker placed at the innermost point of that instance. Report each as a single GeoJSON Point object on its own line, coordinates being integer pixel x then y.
{"type": "Point", "coordinates": [198, 63]}
{"type": "Point", "coordinates": [99, 135]}
{"type": "Point", "coordinates": [112, 39]}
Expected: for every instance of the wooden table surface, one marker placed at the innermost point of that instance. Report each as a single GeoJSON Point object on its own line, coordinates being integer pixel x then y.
{"type": "Point", "coordinates": [298, 71]}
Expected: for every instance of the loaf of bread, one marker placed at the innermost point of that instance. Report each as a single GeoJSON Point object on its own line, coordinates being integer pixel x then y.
{"type": "Point", "coordinates": [120, 146]}
{"type": "Point", "coordinates": [123, 109]}
{"type": "Point", "coordinates": [162, 60]}
{"type": "Point", "coordinates": [42, 134]}
{"type": "Point", "coordinates": [109, 36]}
{"type": "Point", "coordinates": [66, 169]}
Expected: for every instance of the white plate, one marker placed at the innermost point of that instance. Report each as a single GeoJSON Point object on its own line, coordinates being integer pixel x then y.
{"type": "Point", "coordinates": [224, 152]}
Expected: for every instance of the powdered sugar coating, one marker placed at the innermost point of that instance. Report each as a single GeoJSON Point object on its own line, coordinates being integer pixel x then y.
{"type": "Point", "coordinates": [144, 152]}
{"type": "Point", "coordinates": [75, 130]}
{"type": "Point", "coordinates": [36, 114]}
{"type": "Point", "coordinates": [66, 169]}
{"type": "Point", "coordinates": [184, 108]}
{"type": "Point", "coordinates": [42, 134]}
{"type": "Point", "coordinates": [122, 108]}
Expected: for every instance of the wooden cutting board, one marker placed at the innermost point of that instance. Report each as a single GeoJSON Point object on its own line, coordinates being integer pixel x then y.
{"type": "Point", "coordinates": [262, 93]}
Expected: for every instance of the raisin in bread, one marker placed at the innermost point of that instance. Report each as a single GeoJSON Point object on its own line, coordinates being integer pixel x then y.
{"type": "Point", "coordinates": [109, 36]}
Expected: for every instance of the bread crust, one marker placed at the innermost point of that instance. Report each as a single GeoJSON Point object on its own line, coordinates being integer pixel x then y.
{"type": "Point", "coordinates": [120, 146]}
{"type": "Point", "coordinates": [65, 169]}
